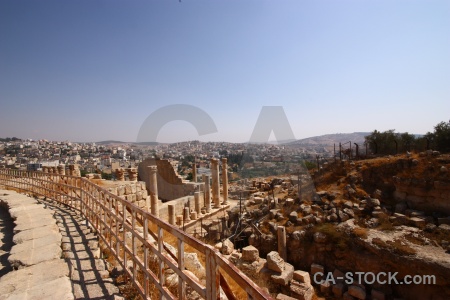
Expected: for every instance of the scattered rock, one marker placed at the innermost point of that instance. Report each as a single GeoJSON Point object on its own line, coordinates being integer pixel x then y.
{"type": "Point", "coordinates": [445, 228]}
{"type": "Point", "coordinates": [377, 295]}
{"type": "Point", "coordinates": [320, 238]}
{"type": "Point", "coordinates": [338, 290]}
{"type": "Point", "coordinates": [357, 292]}
{"type": "Point", "coordinates": [302, 291]}
{"type": "Point", "coordinates": [293, 216]}
{"type": "Point", "coordinates": [227, 247]}
{"type": "Point", "coordinates": [286, 275]}
{"type": "Point", "coordinates": [250, 254]}
{"type": "Point", "coordinates": [315, 268]}
{"type": "Point", "coordinates": [302, 276]}
{"type": "Point", "coordinates": [430, 227]}
{"type": "Point", "coordinates": [275, 262]}
{"type": "Point", "coordinates": [284, 297]}
{"type": "Point", "coordinates": [417, 222]}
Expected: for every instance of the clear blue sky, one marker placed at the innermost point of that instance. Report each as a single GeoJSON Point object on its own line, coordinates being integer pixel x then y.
{"type": "Point", "coordinates": [95, 70]}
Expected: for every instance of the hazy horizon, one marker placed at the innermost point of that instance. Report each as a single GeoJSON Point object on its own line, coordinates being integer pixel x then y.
{"type": "Point", "coordinates": [95, 70]}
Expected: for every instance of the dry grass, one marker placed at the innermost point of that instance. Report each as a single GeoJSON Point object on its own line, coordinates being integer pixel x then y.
{"type": "Point", "coordinates": [339, 238]}
{"type": "Point", "coordinates": [99, 182]}
{"type": "Point", "coordinates": [397, 246]}
{"type": "Point", "coordinates": [238, 292]}
{"type": "Point", "coordinates": [360, 232]}
{"type": "Point", "coordinates": [385, 224]}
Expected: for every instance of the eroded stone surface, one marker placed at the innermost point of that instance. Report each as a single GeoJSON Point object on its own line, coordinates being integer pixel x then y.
{"type": "Point", "coordinates": [275, 262]}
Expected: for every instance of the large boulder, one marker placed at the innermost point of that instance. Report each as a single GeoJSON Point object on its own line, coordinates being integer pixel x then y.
{"type": "Point", "coordinates": [286, 276]}
{"type": "Point", "coordinates": [302, 276]}
{"type": "Point", "coordinates": [250, 254]}
{"type": "Point", "coordinates": [275, 262]}
{"type": "Point", "coordinates": [227, 247]}
{"type": "Point", "coordinates": [302, 291]}
{"type": "Point", "coordinates": [315, 268]}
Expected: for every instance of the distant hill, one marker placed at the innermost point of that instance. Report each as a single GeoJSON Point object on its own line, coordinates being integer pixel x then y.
{"type": "Point", "coordinates": [147, 143]}
{"type": "Point", "coordinates": [330, 139]}
{"type": "Point", "coordinates": [111, 142]}
{"type": "Point", "coordinates": [108, 142]}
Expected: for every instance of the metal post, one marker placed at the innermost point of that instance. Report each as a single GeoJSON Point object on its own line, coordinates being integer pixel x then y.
{"type": "Point", "coordinates": [334, 152]}
{"type": "Point", "coordinates": [357, 150]}
{"type": "Point", "coordinates": [350, 156]}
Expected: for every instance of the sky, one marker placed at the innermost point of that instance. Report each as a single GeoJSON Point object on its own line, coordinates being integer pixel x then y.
{"type": "Point", "coordinates": [98, 70]}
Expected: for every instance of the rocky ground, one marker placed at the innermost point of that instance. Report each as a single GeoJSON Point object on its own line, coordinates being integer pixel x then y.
{"type": "Point", "coordinates": [375, 215]}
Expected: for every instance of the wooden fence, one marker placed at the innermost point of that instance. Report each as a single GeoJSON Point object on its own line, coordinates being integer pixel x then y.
{"type": "Point", "coordinates": [132, 235]}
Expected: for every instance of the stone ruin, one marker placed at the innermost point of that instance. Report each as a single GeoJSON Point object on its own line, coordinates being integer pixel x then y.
{"type": "Point", "coordinates": [71, 170]}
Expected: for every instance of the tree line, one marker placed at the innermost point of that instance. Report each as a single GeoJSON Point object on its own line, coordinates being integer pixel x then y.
{"type": "Point", "coordinates": [390, 142]}
{"type": "Point", "coordinates": [8, 139]}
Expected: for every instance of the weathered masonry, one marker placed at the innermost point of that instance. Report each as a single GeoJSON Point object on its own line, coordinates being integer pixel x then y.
{"type": "Point", "coordinates": [131, 234]}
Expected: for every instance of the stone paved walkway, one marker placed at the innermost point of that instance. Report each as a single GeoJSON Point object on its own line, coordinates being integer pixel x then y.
{"type": "Point", "coordinates": [56, 255]}
{"type": "Point", "coordinates": [88, 272]}
{"type": "Point", "coordinates": [36, 254]}
{"type": "Point", "coordinates": [6, 235]}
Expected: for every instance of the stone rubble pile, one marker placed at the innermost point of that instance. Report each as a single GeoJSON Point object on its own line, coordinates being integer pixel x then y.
{"type": "Point", "coordinates": [273, 271]}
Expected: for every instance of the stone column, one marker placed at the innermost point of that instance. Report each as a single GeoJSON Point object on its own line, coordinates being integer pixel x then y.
{"type": "Point", "coordinates": [281, 230]}
{"type": "Point", "coordinates": [119, 174]}
{"type": "Point", "coordinates": [180, 220]}
{"type": "Point", "coordinates": [197, 202]}
{"type": "Point", "coordinates": [71, 167]}
{"type": "Point", "coordinates": [187, 216]}
{"type": "Point", "coordinates": [76, 171]}
{"type": "Point", "coordinates": [171, 209]}
{"type": "Point", "coordinates": [215, 182]}
{"type": "Point", "coordinates": [132, 174]}
{"type": "Point", "coordinates": [207, 186]}
{"type": "Point", "coordinates": [194, 170]}
{"type": "Point", "coordinates": [154, 190]}
{"type": "Point", "coordinates": [225, 180]}
{"type": "Point", "coordinates": [62, 169]}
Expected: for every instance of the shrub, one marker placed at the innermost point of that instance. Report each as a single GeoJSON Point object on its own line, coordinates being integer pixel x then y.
{"type": "Point", "coordinates": [338, 237]}
{"type": "Point", "coordinates": [360, 232]}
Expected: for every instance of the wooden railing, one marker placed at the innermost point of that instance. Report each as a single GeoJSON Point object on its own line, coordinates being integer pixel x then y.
{"type": "Point", "coordinates": [132, 235]}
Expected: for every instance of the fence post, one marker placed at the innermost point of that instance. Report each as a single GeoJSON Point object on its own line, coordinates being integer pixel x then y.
{"type": "Point", "coordinates": [181, 283]}
{"type": "Point", "coordinates": [212, 275]}
{"type": "Point", "coordinates": [161, 262]}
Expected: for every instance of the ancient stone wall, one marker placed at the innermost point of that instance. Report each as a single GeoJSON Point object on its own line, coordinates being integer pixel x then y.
{"type": "Point", "coordinates": [427, 196]}
{"type": "Point", "coordinates": [170, 185]}
{"type": "Point", "coordinates": [424, 184]}
{"type": "Point", "coordinates": [132, 191]}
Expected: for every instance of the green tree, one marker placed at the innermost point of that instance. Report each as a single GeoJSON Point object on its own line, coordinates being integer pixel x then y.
{"type": "Point", "coordinates": [440, 138]}
{"type": "Point", "coordinates": [408, 141]}
{"type": "Point", "coordinates": [389, 142]}
{"type": "Point", "coordinates": [107, 176]}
